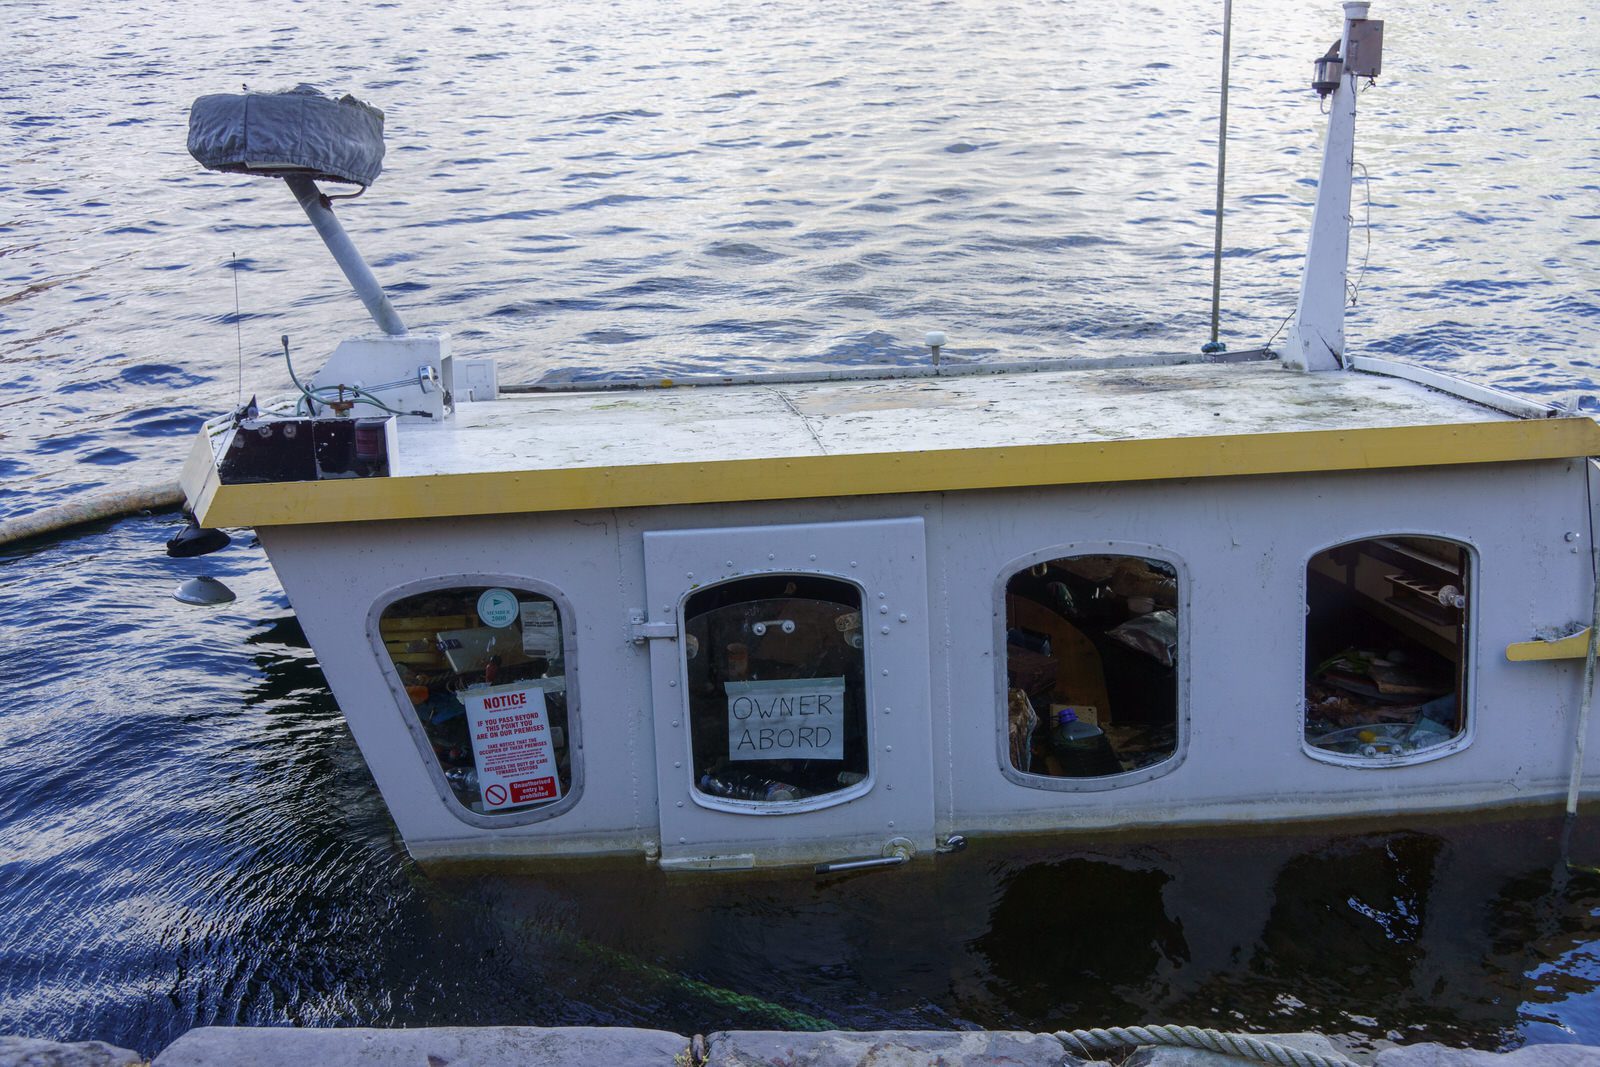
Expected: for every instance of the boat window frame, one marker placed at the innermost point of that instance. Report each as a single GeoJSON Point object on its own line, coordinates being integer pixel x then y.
{"type": "Point", "coordinates": [1182, 713]}
{"type": "Point", "coordinates": [778, 807]}
{"type": "Point", "coordinates": [1470, 648]}
{"type": "Point", "coordinates": [413, 722]}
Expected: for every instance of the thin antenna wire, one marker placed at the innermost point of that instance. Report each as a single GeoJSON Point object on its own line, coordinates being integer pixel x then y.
{"type": "Point", "coordinates": [1268, 342]}
{"type": "Point", "coordinates": [1366, 184]}
{"type": "Point", "coordinates": [1222, 170]}
{"type": "Point", "coordinates": [238, 327]}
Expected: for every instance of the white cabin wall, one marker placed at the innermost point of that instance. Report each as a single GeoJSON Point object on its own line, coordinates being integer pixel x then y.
{"type": "Point", "coordinates": [334, 576]}
{"type": "Point", "coordinates": [1243, 544]}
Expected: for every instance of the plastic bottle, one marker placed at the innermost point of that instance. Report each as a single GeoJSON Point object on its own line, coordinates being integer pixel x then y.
{"type": "Point", "coordinates": [1082, 747]}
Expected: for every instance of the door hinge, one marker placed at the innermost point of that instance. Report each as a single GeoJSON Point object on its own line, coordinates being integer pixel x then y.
{"type": "Point", "coordinates": [640, 631]}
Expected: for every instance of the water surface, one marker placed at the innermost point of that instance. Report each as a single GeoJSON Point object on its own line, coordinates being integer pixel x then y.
{"type": "Point", "coordinates": [187, 832]}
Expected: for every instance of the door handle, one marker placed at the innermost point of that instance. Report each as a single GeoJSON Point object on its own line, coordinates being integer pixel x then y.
{"type": "Point", "coordinates": [866, 863]}
{"type": "Point", "coordinates": [897, 852]}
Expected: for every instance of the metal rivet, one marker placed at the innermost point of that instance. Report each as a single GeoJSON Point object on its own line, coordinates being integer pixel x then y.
{"type": "Point", "coordinates": [677, 763]}
{"type": "Point", "coordinates": [729, 563]}
{"type": "Point", "coordinates": [688, 574]}
{"type": "Point", "coordinates": [904, 617]}
{"type": "Point", "coordinates": [1572, 535]}
{"type": "Point", "coordinates": [890, 787]}
{"type": "Point", "coordinates": [674, 722]}
{"type": "Point", "coordinates": [680, 803]}
{"type": "Point", "coordinates": [883, 596]}
{"type": "Point", "coordinates": [853, 563]}
{"type": "Point", "coordinates": [891, 824]}
{"type": "Point", "coordinates": [884, 630]}
{"type": "Point", "coordinates": [683, 840]}
{"type": "Point", "coordinates": [883, 609]}
{"type": "Point", "coordinates": [888, 748]}
{"type": "Point", "coordinates": [772, 555]}
{"type": "Point", "coordinates": [813, 557]}
{"type": "Point", "coordinates": [886, 672]}
{"type": "Point", "coordinates": [672, 684]}
{"type": "Point", "coordinates": [887, 710]}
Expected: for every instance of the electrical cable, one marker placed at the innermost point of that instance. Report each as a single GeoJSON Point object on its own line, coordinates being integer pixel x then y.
{"type": "Point", "coordinates": [314, 399]}
{"type": "Point", "coordinates": [1366, 257]}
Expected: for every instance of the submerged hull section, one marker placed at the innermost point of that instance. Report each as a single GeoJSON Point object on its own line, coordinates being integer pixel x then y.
{"type": "Point", "coordinates": [907, 658]}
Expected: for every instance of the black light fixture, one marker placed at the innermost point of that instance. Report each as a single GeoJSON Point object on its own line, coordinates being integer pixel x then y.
{"type": "Point", "coordinates": [1328, 71]}
{"type": "Point", "coordinates": [195, 540]}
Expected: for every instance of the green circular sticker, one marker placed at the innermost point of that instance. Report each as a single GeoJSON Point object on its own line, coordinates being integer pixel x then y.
{"type": "Point", "coordinates": [497, 607]}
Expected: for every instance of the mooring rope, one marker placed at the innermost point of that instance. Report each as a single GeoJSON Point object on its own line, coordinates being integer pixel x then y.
{"type": "Point", "coordinates": [1085, 1042]}
{"type": "Point", "coordinates": [113, 504]}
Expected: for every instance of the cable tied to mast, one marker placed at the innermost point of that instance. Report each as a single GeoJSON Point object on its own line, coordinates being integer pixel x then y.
{"type": "Point", "coordinates": [1244, 1046]}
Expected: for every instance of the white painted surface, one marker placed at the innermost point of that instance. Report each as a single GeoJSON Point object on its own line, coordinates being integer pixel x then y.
{"type": "Point", "coordinates": [375, 363]}
{"type": "Point", "coordinates": [1316, 335]}
{"type": "Point", "coordinates": [1242, 542]}
{"type": "Point", "coordinates": [551, 432]}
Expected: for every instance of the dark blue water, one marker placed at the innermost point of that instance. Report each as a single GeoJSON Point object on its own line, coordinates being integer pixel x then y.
{"type": "Point", "coordinates": [187, 833]}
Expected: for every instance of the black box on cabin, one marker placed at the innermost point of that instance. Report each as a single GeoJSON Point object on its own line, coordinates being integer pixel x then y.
{"type": "Point", "coordinates": [304, 450]}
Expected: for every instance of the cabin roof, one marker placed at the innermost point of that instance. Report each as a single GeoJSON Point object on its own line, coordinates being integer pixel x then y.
{"type": "Point", "coordinates": [763, 441]}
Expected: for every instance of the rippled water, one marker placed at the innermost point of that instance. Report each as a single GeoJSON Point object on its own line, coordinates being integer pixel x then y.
{"type": "Point", "coordinates": [187, 833]}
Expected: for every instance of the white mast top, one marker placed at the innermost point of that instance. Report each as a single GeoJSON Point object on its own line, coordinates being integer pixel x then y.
{"type": "Point", "coordinates": [1316, 338]}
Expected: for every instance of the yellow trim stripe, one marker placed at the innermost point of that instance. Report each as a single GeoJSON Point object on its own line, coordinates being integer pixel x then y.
{"type": "Point", "coordinates": [797, 477]}
{"type": "Point", "coordinates": [1574, 647]}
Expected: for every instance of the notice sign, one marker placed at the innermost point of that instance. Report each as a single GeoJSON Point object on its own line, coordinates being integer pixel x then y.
{"type": "Point", "coordinates": [511, 745]}
{"type": "Point", "coordinates": [790, 718]}
{"type": "Point", "coordinates": [541, 629]}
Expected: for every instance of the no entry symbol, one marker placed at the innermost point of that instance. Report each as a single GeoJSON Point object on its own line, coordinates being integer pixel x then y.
{"type": "Point", "coordinates": [495, 794]}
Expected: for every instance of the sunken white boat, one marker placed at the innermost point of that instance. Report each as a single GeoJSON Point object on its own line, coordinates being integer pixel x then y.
{"type": "Point", "coordinates": [830, 617]}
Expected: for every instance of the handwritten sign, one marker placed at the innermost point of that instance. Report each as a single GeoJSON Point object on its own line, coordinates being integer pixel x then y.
{"type": "Point", "coordinates": [790, 718]}
{"type": "Point", "coordinates": [511, 745]}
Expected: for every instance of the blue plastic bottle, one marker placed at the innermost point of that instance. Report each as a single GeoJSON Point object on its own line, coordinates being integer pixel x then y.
{"type": "Point", "coordinates": [1082, 747]}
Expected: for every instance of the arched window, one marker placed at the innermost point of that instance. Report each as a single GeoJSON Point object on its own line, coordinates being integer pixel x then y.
{"type": "Point", "coordinates": [1386, 650]}
{"type": "Point", "coordinates": [1092, 665]}
{"type": "Point", "coordinates": [483, 669]}
{"type": "Point", "coordinates": [776, 676]}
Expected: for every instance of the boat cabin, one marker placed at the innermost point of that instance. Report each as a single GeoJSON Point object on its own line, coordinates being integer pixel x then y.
{"type": "Point", "coordinates": [815, 621]}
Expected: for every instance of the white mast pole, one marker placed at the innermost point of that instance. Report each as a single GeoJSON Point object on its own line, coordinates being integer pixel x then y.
{"type": "Point", "coordinates": [1316, 339]}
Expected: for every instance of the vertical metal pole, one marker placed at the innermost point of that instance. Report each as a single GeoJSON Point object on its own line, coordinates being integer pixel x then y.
{"type": "Point", "coordinates": [1222, 171]}
{"type": "Point", "coordinates": [1586, 702]}
{"type": "Point", "coordinates": [345, 254]}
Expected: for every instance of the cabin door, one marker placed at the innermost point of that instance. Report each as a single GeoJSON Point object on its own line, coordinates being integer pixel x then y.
{"type": "Point", "coordinates": [790, 678]}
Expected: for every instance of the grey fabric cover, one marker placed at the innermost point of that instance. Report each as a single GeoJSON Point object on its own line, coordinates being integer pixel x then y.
{"type": "Point", "coordinates": [297, 131]}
